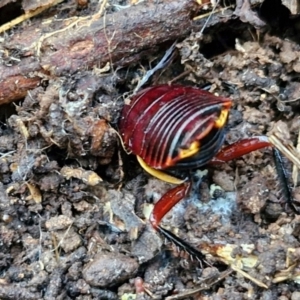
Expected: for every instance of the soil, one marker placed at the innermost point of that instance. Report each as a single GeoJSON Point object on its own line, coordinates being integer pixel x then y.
{"type": "Point", "coordinates": [74, 205]}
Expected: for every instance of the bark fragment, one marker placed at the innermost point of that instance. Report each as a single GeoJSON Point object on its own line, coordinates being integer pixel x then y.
{"type": "Point", "coordinates": [117, 38]}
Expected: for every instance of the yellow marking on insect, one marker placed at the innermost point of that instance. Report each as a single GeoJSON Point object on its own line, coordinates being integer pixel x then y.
{"type": "Point", "coordinates": [159, 174]}
{"type": "Point", "coordinates": [220, 122]}
{"type": "Point", "coordinates": [192, 150]}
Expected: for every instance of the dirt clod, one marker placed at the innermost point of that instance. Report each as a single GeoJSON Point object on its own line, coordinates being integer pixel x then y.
{"type": "Point", "coordinates": [108, 269]}
{"type": "Point", "coordinates": [59, 222]}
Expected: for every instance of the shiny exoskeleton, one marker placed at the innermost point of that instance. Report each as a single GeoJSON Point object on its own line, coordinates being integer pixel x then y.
{"type": "Point", "coordinates": [177, 127]}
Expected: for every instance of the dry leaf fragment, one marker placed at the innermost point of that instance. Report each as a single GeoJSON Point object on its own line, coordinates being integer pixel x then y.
{"type": "Point", "coordinates": [89, 177]}
{"type": "Point", "coordinates": [237, 263]}
{"type": "Point", "coordinates": [35, 193]}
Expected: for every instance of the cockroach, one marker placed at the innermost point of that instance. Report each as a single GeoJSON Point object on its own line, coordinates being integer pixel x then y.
{"type": "Point", "coordinates": [171, 128]}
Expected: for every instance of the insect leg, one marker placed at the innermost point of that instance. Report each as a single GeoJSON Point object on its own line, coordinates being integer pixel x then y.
{"type": "Point", "coordinates": [241, 148]}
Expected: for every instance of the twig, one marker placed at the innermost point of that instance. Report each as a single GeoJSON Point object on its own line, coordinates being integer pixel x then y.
{"type": "Point", "coordinates": [27, 16]}
{"type": "Point", "coordinates": [90, 19]}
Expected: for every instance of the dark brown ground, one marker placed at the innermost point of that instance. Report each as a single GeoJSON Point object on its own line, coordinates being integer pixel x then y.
{"type": "Point", "coordinates": [73, 204]}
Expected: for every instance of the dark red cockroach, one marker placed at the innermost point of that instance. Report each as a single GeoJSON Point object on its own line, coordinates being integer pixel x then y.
{"type": "Point", "coordinates": [177, 127]}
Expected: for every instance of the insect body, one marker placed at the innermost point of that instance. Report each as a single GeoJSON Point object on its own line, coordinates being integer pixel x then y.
{"type": "Point", "coordinates": [176, 127]}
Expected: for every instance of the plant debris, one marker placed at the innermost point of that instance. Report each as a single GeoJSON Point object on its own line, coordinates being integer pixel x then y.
{"type": "Point", "coordinates": [74, 206]}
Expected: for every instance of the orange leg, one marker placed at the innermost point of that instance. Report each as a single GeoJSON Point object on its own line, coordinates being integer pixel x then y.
{"type": "Point", "coordinates": [236, 150]}
{"type": "Point", "coordinates": [167, 201]}
{"type": "Point", "coordinates": [246, 146]}
{"type": "Point", "coordinates": [241, 148]}
{"type": "Point", "coordinates": [172, 197]}
{"type": "Point", "coordinates": [163, 206]}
